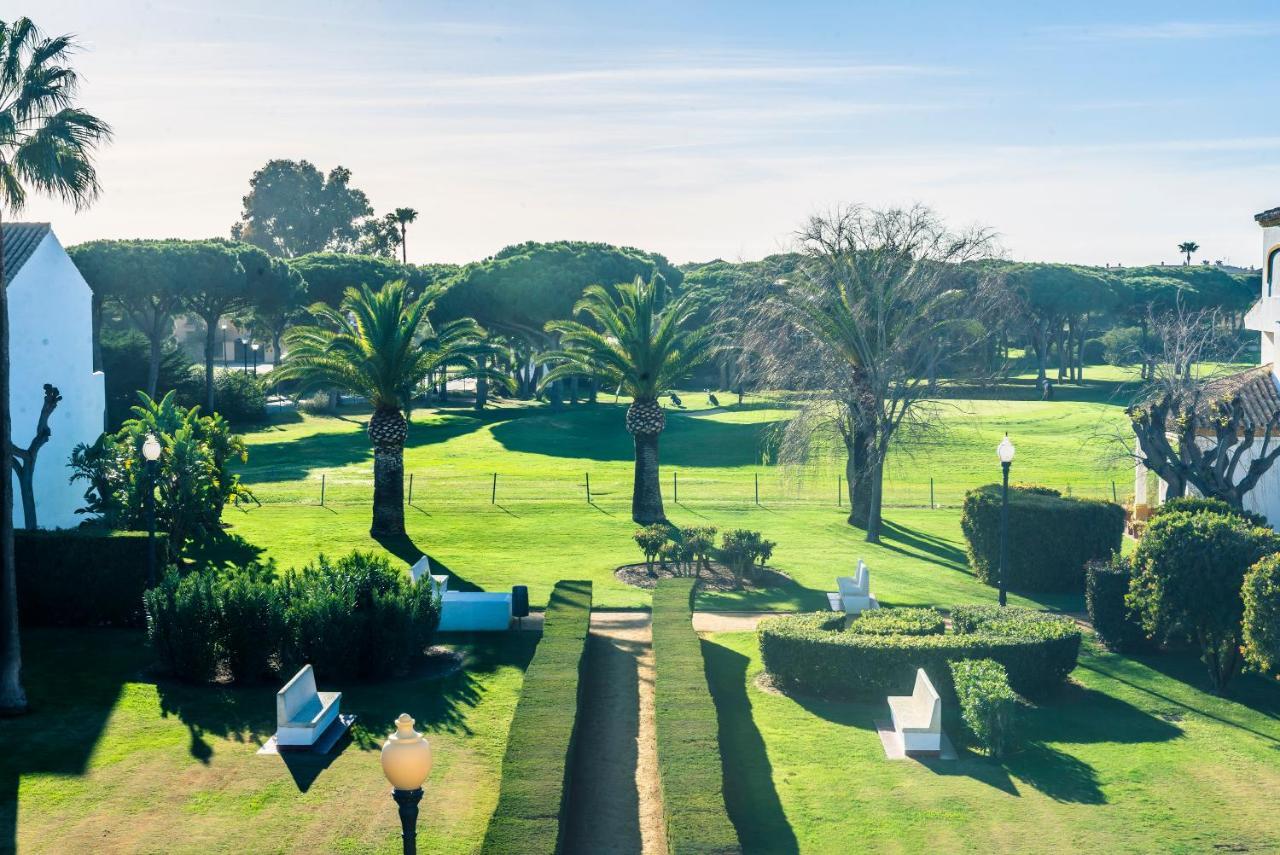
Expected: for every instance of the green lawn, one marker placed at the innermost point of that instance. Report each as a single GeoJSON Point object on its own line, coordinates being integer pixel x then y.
{"type": "Point", "coordinates": [109, 760]}
{"type": "Point", "coordinates": [1130, 757]}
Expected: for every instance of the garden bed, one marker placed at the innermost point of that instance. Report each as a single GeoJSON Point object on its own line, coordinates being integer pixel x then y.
{"type": "Point", "coordinates": [719, 579]}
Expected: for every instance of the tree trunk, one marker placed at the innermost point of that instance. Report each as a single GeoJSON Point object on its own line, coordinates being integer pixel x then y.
{"type": "Point", "coordinates": [482, 387]}
{"type": "Point", "coordinates": [388, 491]}
{"type": "Point", "coordinates": [153, 367]}
{"type": "Point", "coordinates": [573, 389]}
{"type": "Point", "coordinates": [13, 700]}
{"type": "Point", "coordinates": [593, 390]}
{"type": "Point", "coordinates": [876, 485]}
{"type": "Point", "coordinates": [210, 341]}
{"type": "Point", "coordinates": [646, 496]}
{"type": "Point", "coordinates": [855, 474]}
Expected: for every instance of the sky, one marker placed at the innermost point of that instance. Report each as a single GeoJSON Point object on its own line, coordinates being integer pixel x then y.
{"type": "Point", "coordinates": [1087, 132]}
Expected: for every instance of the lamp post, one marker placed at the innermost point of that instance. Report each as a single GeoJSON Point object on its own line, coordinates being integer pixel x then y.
{"type": "Point", "coordinates": [255, 358]}
{"type": "Point", "coordinates": [224, 347]}
{"type": "Point", "coordinates": [244, 353]}
{"type": "Point", "coordinates": [151, 453]}
{"type": "Point", "coordinates": [406, 761]}
{"type": "Point", "coordinates": [1005, 452]}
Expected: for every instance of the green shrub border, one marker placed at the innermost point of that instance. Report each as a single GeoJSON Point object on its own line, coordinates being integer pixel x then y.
{"type": "Point", "coordinates": [988, 706]}
{"type": "Point", "coordinates": [536, 768]}
{"type": "Point", "coordinates": [83, 576]}
{"type": "Point", "coordinates": [688, 731]}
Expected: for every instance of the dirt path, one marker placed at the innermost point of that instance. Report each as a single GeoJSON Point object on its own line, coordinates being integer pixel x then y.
{"type": "Point", "coordinates": [616, 802]}
{"type": "Point", "coordinates": [729, 621]}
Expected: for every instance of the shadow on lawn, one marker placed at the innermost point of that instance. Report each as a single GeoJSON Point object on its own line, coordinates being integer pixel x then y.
{"type": "Point", "coordinates": [403, 547]}
{"type": "Point", "coordinates": [925, 547]}
{"type": "Point", "coordinates": [749, 791]}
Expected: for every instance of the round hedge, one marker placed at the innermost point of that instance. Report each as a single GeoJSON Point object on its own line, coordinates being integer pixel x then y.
{"type": "Point", "coordinates": [814, 655]}
{"type": "Point", "coordinates": [899, 622]}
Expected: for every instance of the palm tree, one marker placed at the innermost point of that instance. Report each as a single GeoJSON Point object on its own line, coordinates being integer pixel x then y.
{"type": "Point", "coordinates": [1187, 247]}
{"type": "Point", "coordinates": [643, 345]}
{"type": "Point", "coordinates": [382, 345]}
{"type": "Point", "coordinates": [403, 216]}
{"type": "Point", "coordinates": [46, 144]}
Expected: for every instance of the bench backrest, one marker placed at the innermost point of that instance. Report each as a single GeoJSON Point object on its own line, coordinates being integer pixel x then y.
{"type": "Point", "coordinates": [858, 585]}
{"type": "Point", "coordinates": [925, 697]}
{"type": "Point", "coordinates": [420, 568]}
{"type": "Point", "coordinates": [296, 694]}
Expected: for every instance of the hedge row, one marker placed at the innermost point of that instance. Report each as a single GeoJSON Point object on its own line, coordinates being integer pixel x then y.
{"type": "Point", "coordinates": [688, 736]}
{"type": "Point", "coordinates": [988, 706]}
{"type": "Point", "coordinates": [899, 622]}
{"type": "Point", "coordinates": [82, 576]}
{"type": "Point", "coordinates": [533, 799]}
{"type": "Point", "coordinates": [1105, 589]}
{"type": "Point", "coordinates": [1051, 537]}
{"type": "Point", "coordinates": [812, 654]}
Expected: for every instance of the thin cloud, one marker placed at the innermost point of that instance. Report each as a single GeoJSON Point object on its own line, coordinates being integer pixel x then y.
{"type": "Point", "coordinates": [1167, 31]}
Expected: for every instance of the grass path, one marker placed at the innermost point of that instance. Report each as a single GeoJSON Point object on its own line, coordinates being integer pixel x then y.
{"type": "Point", "coordinates": [616, 801]}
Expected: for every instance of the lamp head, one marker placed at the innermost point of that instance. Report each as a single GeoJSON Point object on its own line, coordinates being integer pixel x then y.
{"type": "Point", "coordinates": [1005, 450]}
{"type": "Point", "coordinates": [406, 756]}
{"type": "Point", "coordinates": [151, 448]}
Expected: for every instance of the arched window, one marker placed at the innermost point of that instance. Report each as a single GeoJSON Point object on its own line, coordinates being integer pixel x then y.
{"type": "Point", "coordinates": [1270, 270]}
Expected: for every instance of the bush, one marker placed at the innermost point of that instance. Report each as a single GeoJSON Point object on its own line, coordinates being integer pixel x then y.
{"type": "Point", "coordinates": [1105, 588]}
{"type": "Point", "coordinates": [987, 703]}
{"type": "Point", "coordinates": [651, 539]}
{"type": "Point", "coordinates": [239, 397]}
{"type": "Point", "coordinates": [533, 797]}
{"type": "Point", "coordinates": [1200, 504]}
{"type": "Point", "coordinates": [689, 764]}
{"type": "Point", "coordinates": [1051, 538]}
{"type": "Point", "coordinates": [810, 653]}
{"type": "Point", "coordinates": [1122, 345]}
{"type": "Point", "coordinates": [1188, 574]}
{"type": "Point", "coordinates": [182, 624]}
{"type": "Point", "coordinates": [740, 549]}
{"type": "Point", "coordinates": [1262, 615]}
{"type": "Point", "coordinates": [83, 576]}
{"type": "Point", "coordinates": [126, 359]}
{"type": "Point", "coordinates": [899, 622]}
{"type": "Point", "coordinates": [250, 623]}
{"type": "Point", "coordinates": [1094, 352]}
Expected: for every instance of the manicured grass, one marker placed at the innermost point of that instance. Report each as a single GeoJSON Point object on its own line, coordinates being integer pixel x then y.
{"type": "Point", "coordinates": [533, 801]}
{"type": "Point", "coordinates": [688, 743]}
{"type": "Point", "coordinates": [111, 761]}
{"type": "Point", "coordinates": [1133, 757]}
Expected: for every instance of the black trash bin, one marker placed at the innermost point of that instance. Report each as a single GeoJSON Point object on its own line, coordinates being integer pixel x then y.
{"type": "Point", "coordinates": [520, 603]}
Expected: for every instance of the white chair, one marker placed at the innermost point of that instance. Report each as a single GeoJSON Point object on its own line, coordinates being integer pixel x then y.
{"type": "Point", "coordinates": [917, 718]}
{"type": "Point", "coordinates": [855, 591]}
{"type": "Point", "coordinates": [462, 611]}
{"type": "Point", "coordinates": [302, 713]}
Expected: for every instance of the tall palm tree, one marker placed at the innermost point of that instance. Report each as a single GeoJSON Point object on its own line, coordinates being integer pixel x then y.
{"type": "Point", "coordinates": [382, 345]}
{"type": "Point", "coordinates": [404, 216]}
{"type": "Point", "coordinates": [1187, 247]}
{"type": "Point", "coordinates": [46, 144]}
{"type": "Point", "coordinates": [643, 345]}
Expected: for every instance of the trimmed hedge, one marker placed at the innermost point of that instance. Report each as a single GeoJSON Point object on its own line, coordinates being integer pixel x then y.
{"type": "Point", "coordinates": [899, 622]}
{"type": "Point", "coordinates": [533, 798]}
{"type": "Point", "coordinates": [688, 732]}
{"type": "Point", "coordinates": [811, 654]}
{"type": "Point", "coordinates": [1106, 585]}
{"type": "Point", "coordinates": [83, 576]}
{"type": "Point", "coordinates": [1202, 504]}
{"type": "Point", "coordinates": [988, 705]}
{"type": "Point", "coordinates": [1051, 538]}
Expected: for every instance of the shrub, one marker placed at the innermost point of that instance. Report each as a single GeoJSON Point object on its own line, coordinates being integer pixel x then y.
{"type": "Point", "coordinates": [701, 541]}
{"type": "Point", "coordinates": [1094, 352]}
{"type": "Point", "coordinates": [987, 703]}
{"type": "Point", "coordinates": [1200, 504]}
{"type": "Point", "coordinates": [1122, 345]}
{"type": "Point", "coordinates": [533, 797]}
{"type": "Point", "coordinates": [239, 397]}
{"type": "Point", "coordinates": [250, 623]}
{"type": "Point", "coordinates": [1050, 537]}
{"type": "Point", "coordinates": [689, 764]}
{"type": "Point", "coordinates": [125, 362]}
{"type": "Point", "coordinates": [899, 622]}
{"type": "Point", "coordinates": [1261, 623]}
{"type": "Point", "coordinates": [1188, 573]}
{"type": "Point", "coordinates": [809, 653]}
{"type": "Point", "coordinates": [83, 576]}
{"type": "Point", "coordinates": [651, 539]}
{"type": "Point", "coordinates": [1106, 586]}
{"type": "Point", "coordinates": [182, 625]}
{"type": "Point", "coordinates": [740, 549]}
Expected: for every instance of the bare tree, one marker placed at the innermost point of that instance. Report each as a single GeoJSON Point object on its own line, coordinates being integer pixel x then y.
{"type": "Point", "coordinates": [859, 328]}
{"type": "Point", "coordinates": [24, 459]}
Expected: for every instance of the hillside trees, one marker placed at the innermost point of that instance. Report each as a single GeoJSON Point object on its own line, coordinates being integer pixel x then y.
{"type": "Point", "coordinates": [292, 208]}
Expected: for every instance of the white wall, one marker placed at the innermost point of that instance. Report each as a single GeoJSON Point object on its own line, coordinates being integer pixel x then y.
{"type": "Point", "coordinates": [51, 341]}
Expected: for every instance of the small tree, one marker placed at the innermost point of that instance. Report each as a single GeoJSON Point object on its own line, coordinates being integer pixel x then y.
{"type": "Point", "coordinates": [701, 541]}
{"type": "Point", "coordinates": [1188, 574]}
{"type": "Point", "coordinates": [1187, 247]}
{"type": "Point", "coordinates": [24, 459]}
{"type": "Point", "coordinates": [650, 539]}
{"type": "Point", "coordinates": [740, 549]}
{"type": "Point", "coordinates": [1261, 595]}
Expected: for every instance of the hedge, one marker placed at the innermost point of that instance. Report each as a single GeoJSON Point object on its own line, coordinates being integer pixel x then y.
{"type": "Point", "coordinates": [533, 799]}
{"type": "Point", "coordinates": [899, 622]}
{"type": "Point", "coordinates": [688, 732]}
{"type": "Point", "coordinates": [810, 653]}
{"type": "Point", "coordinates": [1051, 538]}
{"type": "Point", "coordinates": [988, 705]}
{"type": "Point", "coordinates": [1106, 585]}
{"type": "Point", "coordinates": [83, 576]}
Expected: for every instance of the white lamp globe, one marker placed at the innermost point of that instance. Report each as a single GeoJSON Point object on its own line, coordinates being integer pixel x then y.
{"type": "Point", "coordinates": [151, 448]}
{"type": "Point", "coordinates": [406, 756]}
{"type": "Point", "coordinates": [1005, 450]}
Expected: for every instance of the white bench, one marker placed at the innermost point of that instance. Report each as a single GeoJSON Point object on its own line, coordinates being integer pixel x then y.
{"type": "Point", "coordinates": [917, 718]}
{"type": "Point", "coordinates": [855, 591]}
{"type": "Point", "coordinates": [302, 713]}
{"type": "Point", "coordinates": [471, 611]}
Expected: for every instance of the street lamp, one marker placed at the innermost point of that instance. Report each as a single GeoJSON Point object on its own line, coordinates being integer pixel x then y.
{"type": "Point", "coordinates": [244, 351]}
{"type": "Point", "coordinates": [255, 358]}
{"type": "Point", "coordinates": [151, 453]}
{"type": "Point", "coordinates": [406, 761]}
{"type": "Point", "coordinates": [1005, 452]}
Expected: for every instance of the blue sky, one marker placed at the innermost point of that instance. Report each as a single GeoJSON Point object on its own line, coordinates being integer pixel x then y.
{"type": "Point", "coordinates": [1086, 132]}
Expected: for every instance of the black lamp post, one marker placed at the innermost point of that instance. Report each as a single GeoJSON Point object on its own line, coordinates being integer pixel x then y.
{"type": "Point", "coordinates": [255, 358]}
{"type": "Point", "coordinates": [151, 454]}
{"type": "Point", "coordinates": [1005, 452]}
{"type": "Point", "coordinates": [406, 761]}
{"type": "Point", "coordinates": [244, 353]}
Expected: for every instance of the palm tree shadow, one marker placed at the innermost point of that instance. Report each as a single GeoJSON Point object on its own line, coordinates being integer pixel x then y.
{"type": "Point", "coordinates": [403, 547]}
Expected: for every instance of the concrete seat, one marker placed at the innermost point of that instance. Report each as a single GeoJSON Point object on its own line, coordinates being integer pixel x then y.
{"type": "Point", "coordinates": [302, 713]}
{"type": "Point", "coordinates": [855, 591]}
{"type": "Point", "coordinates": [917, 718]}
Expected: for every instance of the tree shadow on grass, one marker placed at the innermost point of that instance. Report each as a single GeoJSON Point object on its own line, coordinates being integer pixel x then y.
{"type": "Point", "coordinates": [925, 547]}
{"type": "Point", "coordinates": [1058, 775]}
{"type": "Point", "coordinates": [1077, 714]}
{"type": "Point", "coordinates": [403, 547]}
{"type": "Point", "coordinates": [749, 792]}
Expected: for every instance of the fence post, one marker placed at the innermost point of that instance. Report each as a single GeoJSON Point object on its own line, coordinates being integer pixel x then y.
{"type": "Point", "coordinates": [839, 500]}
{"type": "Point", "coordinates": [1113, 493]}
{"type": "Point", "coordinates": [757, 488]}
{"type": "Point", "coordinates": [493, 496]}
{"type": "Point", "coordinates": [588, 488]}
{"type": "Point", "coordinates": [410, 500]}
{"type": "Point", "coordinates": [675, 486]}
{"type": "Point", "coordinates": [931, 504]}
{"type": "Point", "coordinates": [322, 489]}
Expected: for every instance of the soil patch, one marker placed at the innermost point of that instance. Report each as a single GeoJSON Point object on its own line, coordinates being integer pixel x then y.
{"type": "Point", "coordinates": [720, 578]}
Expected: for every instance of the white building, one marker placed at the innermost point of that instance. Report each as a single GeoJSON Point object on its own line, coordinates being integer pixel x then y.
{"type": "Point", "coordinates": [50, 341]}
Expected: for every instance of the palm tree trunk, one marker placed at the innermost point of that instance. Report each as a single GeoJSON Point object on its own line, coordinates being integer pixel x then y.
{"type": "Point", "coordinates": [646, 496]}
{"type": "Point", "coordinates": [153, 367]}
{"type": "Point", "coordinates": [388, 491]}
{"type": "Point", "coordinates": [13, 700]}
{"type": "Point", "coordinates": [482, 386]}
{"type": "Point", "coordinates": [876, 480]}
{"type": "Point", "coordinates": [855, 475]}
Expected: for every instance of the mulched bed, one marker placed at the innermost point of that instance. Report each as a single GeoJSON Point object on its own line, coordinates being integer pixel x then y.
{"type": "Point", "coordinates": [719, 579]}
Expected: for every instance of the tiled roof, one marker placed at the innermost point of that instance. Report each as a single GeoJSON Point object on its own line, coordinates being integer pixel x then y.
{"type": "Point", "coordinates": [1258, 395]}
{"type": "Point", "coordinates": [1269, 217]}
{"type": "Point", "coordinates": [20, 240]}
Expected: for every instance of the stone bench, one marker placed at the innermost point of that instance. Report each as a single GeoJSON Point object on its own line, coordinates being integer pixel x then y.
{"type": "Point", "coordinates": [917, 718]}
{"type": "Point", "coordinates": [302, 713]}
{"type": "Point", "coordinates": [471, 611]}
{"type": "Point", "coordinates": [855, 591]}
